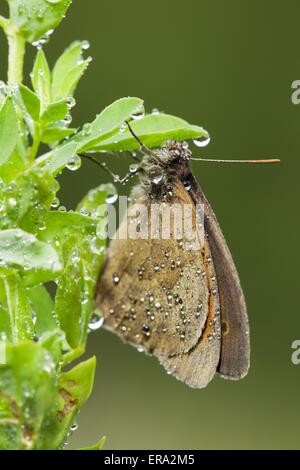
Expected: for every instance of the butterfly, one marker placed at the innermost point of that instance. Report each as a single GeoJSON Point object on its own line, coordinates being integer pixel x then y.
{"type": "Point", "coordinates": [183, 305]}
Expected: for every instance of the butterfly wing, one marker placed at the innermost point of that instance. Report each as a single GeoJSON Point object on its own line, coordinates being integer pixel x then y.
{"type": "Point", "coordinates": [235, 348]}
{"type": "Point", "coordinates": [161, 297]}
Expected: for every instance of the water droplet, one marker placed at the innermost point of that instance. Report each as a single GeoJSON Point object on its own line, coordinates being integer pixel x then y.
{"type": "Point", "coordinates": [133, 168]}
{"type": "Point", "coordinates": [116, 279]}
{"type": "Point", "coordinates": [187, 185]}
{"type": "Point", "coordinates": [139, 114]}
{"type": "Point", "coordinates": [84, 211]}
{"type": "Point", "coordinates": [41, 225]}
{"type": "Point", "coordinates": [95, 322]}
{"type": "Point", "coordinates": [71, 102]}
{"type": "Point", "coordinates": [3, 87]}
{"type": "Point", "coordinates": [12, 202]}
{"type": "Point", "coordinates": [155, 111]}
{"type": "Point", "coordinates": [3, 336]}
{"type": "Point", "coordinates": [62, 209]}
{"type": "Point", "coordinates": [74, 427]}
{"type": "Point", "coordinates": [40, 14]}
{"type": "Point", "coordinates": [112, 194]}
{"type": "Point", "coordinates": [146, 330]}
{"type": "Point", "coordinates": [55, 203]}
{"type": "Point", "coordinates": [85, 45]}
{"type": "Point", "coordinates": [202, 141]}
{"type": "Point", "coordinates": [87, 129]}
{"type": "Point", "coordinates": [74, 163]}
{"type": "Point", "coordinates": [67, 120]}
{"type": "Point", "coordinates": [157, 179]}
{"type": "Point", "coordinates": [123, 128]}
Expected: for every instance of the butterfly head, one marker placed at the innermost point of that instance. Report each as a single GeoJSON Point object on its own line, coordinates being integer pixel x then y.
{"type": "Point", "coordinates": [173, 153]}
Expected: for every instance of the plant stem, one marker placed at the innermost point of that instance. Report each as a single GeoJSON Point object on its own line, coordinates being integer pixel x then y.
{"type": "Point", "coordinates": [36, 142]}
{"type": "Point", "coordinates": [16, 46]}
{"type": "Point", "coordinates": [3, 23]}
{"type": "Point", "coordinates": [9, 295]}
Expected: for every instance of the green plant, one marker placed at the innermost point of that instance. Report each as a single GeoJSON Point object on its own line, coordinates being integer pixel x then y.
{"type": "Point", "coordinates": [40, 241]}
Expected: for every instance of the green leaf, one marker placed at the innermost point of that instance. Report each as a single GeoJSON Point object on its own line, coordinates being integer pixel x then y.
{"type": "Point", "coordinates": [153, 131]}
{"type": "Point", "coordinates": [5, 321]}
{"type": "Point", "coordinates": [75, 387]}
{"type": "Point", "coordinates": [36, 261]}
{"type": "Point", "coordinates": [8, 130]}
{"type": "Point", "coordinates": [41, 79]}
{"type": "Point", "coordinates": [83, 254]}
{"type": "Point", "coordinates": [98, 446]}
{"type": "Point", "coordinates": [12, 167]}
{"type": "Point", "coordinates": [56, 160]}
{"type": "Point", "coordinates": [54, 342]}
{"type": "Point", "coordinates": [28, 396]}
{"type": "Point", "coordinates": [62, 224]}
{"type": "Point", "coordinates": [35, 18]}
{"type": "Point", "coordinates": [56, 134]}
{"type": "Point", "coordinates": [27, 198]}
{"type": "Point", "coordinates": [54, 112]}
{"type": "Point", "coordinates": [95, 199]}
{"type": "Point", "coordinates": [19, 309]}
{"type": "Point", "coordinates": [79, 380]}
{"type": "Point", "coordinates": [31, 102]}
{"type": "Point", "coordinates": [108, 122]}
{"type": "Point", "coordinates": [43, 306]}
{"type": "Point", "coordinates": [45, 327]}
{"type": "Point", "coordinates": [68, 70]}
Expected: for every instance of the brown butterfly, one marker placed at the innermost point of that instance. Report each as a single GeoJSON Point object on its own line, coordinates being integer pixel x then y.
{"type": "Point", "coordinates": [183, 305]}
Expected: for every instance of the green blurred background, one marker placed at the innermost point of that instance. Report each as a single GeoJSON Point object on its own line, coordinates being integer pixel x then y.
{"type": "Point", "coordinates": [226, 65]}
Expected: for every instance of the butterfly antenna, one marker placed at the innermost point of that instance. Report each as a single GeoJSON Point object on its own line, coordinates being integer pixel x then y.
{"type": "Point", "coordinates": [264, 161]}
{"type": "Point", "coordinates": [144, 147]}
{"type": "Point", "coordinates": [103, 165]}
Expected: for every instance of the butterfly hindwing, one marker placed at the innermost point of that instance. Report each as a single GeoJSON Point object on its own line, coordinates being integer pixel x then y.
{"type": "Point", "coordinates": [235, 349]}
{"type": "Point", "coordinates": [165, 299]}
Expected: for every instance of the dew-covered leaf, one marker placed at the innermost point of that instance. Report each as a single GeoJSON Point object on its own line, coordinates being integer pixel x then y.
{"type": "Point", "coordinates": [54, 112]}
{"type": "Point", "coordinates": [75, 387]}
{"type": "Point", "coordinates": [56, 160]}
{"type": "Point", "coordinates": [8, 130]}
{"type": "Point", "coordinates": [41, 79]}
{"type": "Point", "coordinates": [43, 307]}
{"type": "Point", "coordinates": [5, 320]}
{"type": "Point", "coordinates": [82, 252]}
{"type": "Point", "coordinates": [34, 18]}
{"type": "Point", "coordinates": [35, 261]}
{"type": "Point", "coordinates": [56, 134]}
{"type": "Point", "coordinates": [15, 165]}
{"type": "Point", "coordinates": [28, 394]}
{"type": "Point", "coordinates": [153, 131]}
{"type": "Point", "coordinates": [76, 287]}
{"type": "Point", "coordinates": [31, 102]}
{"type": "Point", "coordinates": [25, 201]}
{"type": "Point", "coordinates": [20, 312]}
{"type": "Point", "coordinates": [108, 122]}
{"type": "Point", "coordinates": [68, 70]}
